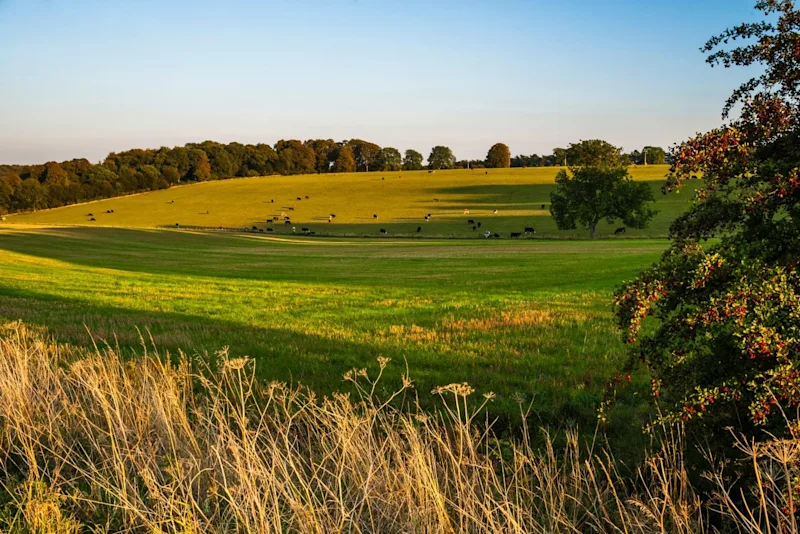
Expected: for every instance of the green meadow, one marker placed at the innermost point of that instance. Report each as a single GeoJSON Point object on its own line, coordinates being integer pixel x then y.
{"type": "Point", "coordinates": [401, 200]}
{"type": "Point", "coordinates": [529, 320]}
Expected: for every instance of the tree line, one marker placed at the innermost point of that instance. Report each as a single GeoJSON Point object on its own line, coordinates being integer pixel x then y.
{"type": "Point", "coordinates": [563, 157]}
{"type": "Point", "coordinates": [53, 184]}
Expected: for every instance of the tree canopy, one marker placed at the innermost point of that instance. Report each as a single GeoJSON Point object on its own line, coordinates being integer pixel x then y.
{"type": "Point", "coordinates": [441, 158]}
{"type": "Point", "coordinates": [723, 343]}
{"type": "Point", "coordinates": [389, 159]}
{"type": "Point", "coordinates": [412, 160]}
{"type": "Point", "coordinates": [594, 153]}
{"type": "Point", "coordinates": [584, 196]}
{"type": "Point", "coordinates": [499, 157]}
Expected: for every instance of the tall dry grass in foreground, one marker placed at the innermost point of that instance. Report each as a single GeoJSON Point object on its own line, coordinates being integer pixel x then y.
{"type": "Point", "coordinates": [93, 443]}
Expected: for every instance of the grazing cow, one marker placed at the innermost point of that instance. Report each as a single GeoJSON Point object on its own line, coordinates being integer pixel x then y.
{"type": "Point", "coordinates": [176, 225]}
{"type": "Point", "coordinates": [276, 218]}
{"type": "Point", "coordinates": [272, 201]}
{"type": "Point", "coordinates": [515, 234]}
{"type": "Point", "coordinates": [529, 230]}
{"type": "Point", "coordinates": [479, 224]}
{"type": "Point", "coordinates": [108, 211]}
{"type": "Point", "coordinates": [291, 209]}
{"type": "Point", "coordinates": [383, 230]}
{"type": "Point", "coordinates": [419, 229]}
{"type": "Point", "coordinates": [487, 172]}
{"type": "Point", "coordinates": [497, 235]}
{"type": "Point", "coordinates": [495, 212]}
{"type": "Point", "coordinates": [694, 177]}
{"type": "Point", "coordinates": [90, 215]}
{"type": "Point", "coordinates": [427, 219]}
{"type": "Point", "coordinates": [93, 219]}
{"type": "Point", "coordinates": [333, 215]}
{"type": "Point", "coordinates": [269, 229]}
{"type": "Point", "coordinates": [307, 197]}
{"type": "Point", "coordinates": [542, 206]}
{"type": "Point", "coordinates": [298, 198]}
{"type": "Point", "coordinates": [487, 234]}
{"type": "Point", "coordinates": [470, 221]}
{"type": "Point", "coordinates": [305, 230]}
{"type": "Point", "coordinates": [474, 228]}
{"type": "Point", "coordinates": [255, 228]}
{"type": "Point", "coordinates": [429, 215]}
{"type": "Point", "coordinates": [374, 215]}
{"type": "Point", "coordinates": [287, 221]}
{"type": "Point", "coordinates": [620, 230]}
{"type": "Point", "coordinates": [261, 230]}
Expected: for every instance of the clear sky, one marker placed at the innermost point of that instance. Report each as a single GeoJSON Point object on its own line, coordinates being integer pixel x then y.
{"type": "Point", "coordinates": [81, 78]}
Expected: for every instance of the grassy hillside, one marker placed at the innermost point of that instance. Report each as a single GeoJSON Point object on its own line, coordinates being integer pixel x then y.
{"type": "Point", "coordinates": [400, 200]}
{"type": "Point", "coordinates": [528, 320]}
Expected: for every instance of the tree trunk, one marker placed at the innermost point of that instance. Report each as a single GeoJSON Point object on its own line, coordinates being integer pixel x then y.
{"type": "Point", "coordinates": [593, 229]}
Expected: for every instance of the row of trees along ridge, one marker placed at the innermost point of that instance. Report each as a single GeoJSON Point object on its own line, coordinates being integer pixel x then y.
{"type": "Point", "coordinates": [50, 185]}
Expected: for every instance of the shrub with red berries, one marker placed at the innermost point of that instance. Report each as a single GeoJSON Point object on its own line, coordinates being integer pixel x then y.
{"type": "Point", "coordinates": [717, 319]}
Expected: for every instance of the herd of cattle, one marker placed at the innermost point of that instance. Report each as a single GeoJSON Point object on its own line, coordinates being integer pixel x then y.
{"type": "Point", "coordinates": [528, 231]}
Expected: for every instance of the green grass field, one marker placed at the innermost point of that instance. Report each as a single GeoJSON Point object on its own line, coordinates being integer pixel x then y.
{"type": "Point", "coordinates": [401, 201]}
{"type": "Point", "coordinates": [528, 320]}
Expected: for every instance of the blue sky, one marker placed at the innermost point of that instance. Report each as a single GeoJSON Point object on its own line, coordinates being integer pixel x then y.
{"type": "Point", "coordinates": [81, 78]}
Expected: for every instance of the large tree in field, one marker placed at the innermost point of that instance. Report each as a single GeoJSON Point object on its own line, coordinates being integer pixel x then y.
{"type": "Point", "coordinates": [499, 157]}
{"type": "Point", "coordinates": [594, 153]}
{"type": "Point", "coordinates": [441, 158]}
{"type": "Point", "coordinates": [722, 341]}
{"type": "Point", "coordinates": [412, 160]}
{"type": "Point", "coordinates": [584, 196]}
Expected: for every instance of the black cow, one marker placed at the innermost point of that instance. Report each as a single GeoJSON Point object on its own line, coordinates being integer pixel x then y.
{"type": "Point", "coordinates": [255, 228]}
{"type": "Point", "coordinates": [479, 224]}
{"type": "Point", "coordinates": [272, 201]}
{"type": "Point", "coordinates": [298, 198]}
{"type": "Point", "coordinates": [419, 229]}
{"type": "Point", "coordinates": [497, 236]}
{"type": "Point", "coordinates": [620, 230]}
{"type": "Point", "coordinates": [529, 230]}
{"type": "Point", "coordinates": [90, 215]}
{"type": "Point", "coordinates": [383, 230]}
{"type": "Point", "coordinates": [470, 221]}
{"type": "Point", "coordinates": [382, 178]}
{"type": "Point", "coordinates": [333, 215]}
{"type": "Point", "coordinates": [176, 224]}
{"type": "Point", "coordinates": [269, 229]}
{"type": "Point", "coordinates": [93, 219]}
{"type": "Point", "coordinates": [305, 230]}
{"type": "Point", "coordinates": [542, 206]}
{"type": "Point", "coordinates": [515, 234]}
{"type": "Point", "coordinates": [474, 228]}
{"type": "Point", "coordinates": [374, 215]}
{"type": "Point", "coordinates": [287, 221]}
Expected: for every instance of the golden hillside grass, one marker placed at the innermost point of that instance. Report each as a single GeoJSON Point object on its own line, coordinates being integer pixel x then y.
{"type": "Point", "coordinates": [94, 443]}
{"type": "Point", "coordinates": [401, 200]}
